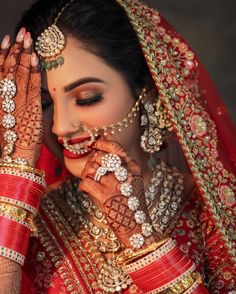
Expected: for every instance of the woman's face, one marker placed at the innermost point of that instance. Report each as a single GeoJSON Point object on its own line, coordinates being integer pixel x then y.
{"type": "Point", "coordinates": [85, 90]}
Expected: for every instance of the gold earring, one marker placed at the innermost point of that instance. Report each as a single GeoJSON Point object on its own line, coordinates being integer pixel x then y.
{"type": "Point", "coordinates": [156, 126]}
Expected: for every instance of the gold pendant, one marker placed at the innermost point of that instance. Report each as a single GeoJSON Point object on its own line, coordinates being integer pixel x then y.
{"type": "Point", "coordinates": [112, 279]}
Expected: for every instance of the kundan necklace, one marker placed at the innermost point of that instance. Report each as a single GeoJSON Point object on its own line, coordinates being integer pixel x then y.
{"type": "Point", "coordinates": [164, 195]}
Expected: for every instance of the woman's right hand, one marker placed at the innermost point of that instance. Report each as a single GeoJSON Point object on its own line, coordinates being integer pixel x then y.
{"type": "Point", "coordinates": [19, 64]}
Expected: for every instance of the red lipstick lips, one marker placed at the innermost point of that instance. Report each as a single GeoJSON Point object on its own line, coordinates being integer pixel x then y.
{"type": "Point", "coordinates": [77, 152]}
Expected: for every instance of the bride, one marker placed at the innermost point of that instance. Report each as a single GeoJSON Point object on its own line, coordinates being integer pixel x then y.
{"type": "Point", "coordinates": [116, 172]}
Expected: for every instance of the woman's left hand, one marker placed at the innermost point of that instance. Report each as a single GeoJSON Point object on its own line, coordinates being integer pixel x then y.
{"type": "Point", "coordinates": [105, 192]}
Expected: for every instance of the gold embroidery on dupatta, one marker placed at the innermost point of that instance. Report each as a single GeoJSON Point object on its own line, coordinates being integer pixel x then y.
{"type": "Point", "coordinates": [58, 258]}
{"type": "Point", "coordinates": [78, 251]}
{"type": "Point", "coordinates": [195, 129]}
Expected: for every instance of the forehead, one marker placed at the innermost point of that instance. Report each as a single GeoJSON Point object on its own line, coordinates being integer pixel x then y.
{"type": "Point", "coordinates": [79, 63]}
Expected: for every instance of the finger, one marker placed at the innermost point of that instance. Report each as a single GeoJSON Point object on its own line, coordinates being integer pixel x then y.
{"type": "Point", "coordinates": [24, 66]}
{"type": "Point", "coordinates": [108, 180]}
{"type": "Point", "coordinates": [34, 85]}
{"type": "Point", "coordinates": [89, 169]}
{"type": "Point", "coordinates": [5, 45]}
{"type": "Point", "coordinates": [20, 36]}
{"type": "Point", "coordinates": [115, 148]}
{"type": "Point", "coordinates": [109, 147]}
{"type": "Point", "coordinates": [131, 165]}
{"type": "Point", "coordinates": [35, 64]}
{"type": "Point", "coordinates": [93, 188]}
{"type": "Point", "coordinates": [11, 62]}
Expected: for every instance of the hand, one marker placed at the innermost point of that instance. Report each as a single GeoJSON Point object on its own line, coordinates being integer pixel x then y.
{"type": "Point", "coordinates": [106, 193]}
{"type": "Point", "coordinates": [19, 64]}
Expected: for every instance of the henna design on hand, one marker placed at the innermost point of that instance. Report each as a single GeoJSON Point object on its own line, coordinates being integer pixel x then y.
{"type": "Point", "coordinates": [11, 61]}
{"type": "Point", "coordinates": [28, 113]}
{"type": "Point", "coordinates": [3, 55]}
{"type": "Point", "coordinates": [29, 125]}
{"type": "Point", "coordinates": [119, 216]}
{"type": "Point", "coordinates": [10, 276]}
{"type": "Point", "coordinates": [106, 193]}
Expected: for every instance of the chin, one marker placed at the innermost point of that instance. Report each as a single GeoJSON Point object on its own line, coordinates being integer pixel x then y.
{"type": "Point", "coordinates": [76, 166]}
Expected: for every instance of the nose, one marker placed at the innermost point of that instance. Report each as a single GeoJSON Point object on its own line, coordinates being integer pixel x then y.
{"type": "Point", "coordinates": [63, 121]}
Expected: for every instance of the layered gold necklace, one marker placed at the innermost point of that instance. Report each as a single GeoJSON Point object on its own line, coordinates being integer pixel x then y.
{"type": "Point", "coordinates": [164, 195]}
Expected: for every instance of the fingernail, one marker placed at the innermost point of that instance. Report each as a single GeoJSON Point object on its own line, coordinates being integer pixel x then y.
{"type": "Point", "coordinates": [34, 59]}
{"type": "Point", "coordinates": [27, 40]}
{"type": "Point", "coordinates": [5, 42]}
{"type": "Point", "coordinates": [20, 35]}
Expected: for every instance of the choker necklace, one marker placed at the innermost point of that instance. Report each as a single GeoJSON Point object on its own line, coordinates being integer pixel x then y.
{"type": "Point", "coordinates": [164, 195]}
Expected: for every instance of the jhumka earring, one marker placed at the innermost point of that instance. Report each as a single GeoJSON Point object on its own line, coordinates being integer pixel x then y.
{"type": "Point", "coordinates": [51, 43]}
{"type": "Point", "coordinates": [156, 126]}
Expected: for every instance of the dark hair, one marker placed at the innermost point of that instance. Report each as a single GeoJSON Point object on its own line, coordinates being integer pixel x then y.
{"type": "Point", "coordinates": [103, 28]}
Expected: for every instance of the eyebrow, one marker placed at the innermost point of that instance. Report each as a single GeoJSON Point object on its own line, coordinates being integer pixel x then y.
{"type": "Point", "coordinates": [82, 82]}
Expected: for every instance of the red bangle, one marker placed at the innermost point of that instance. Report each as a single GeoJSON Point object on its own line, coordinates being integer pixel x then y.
{"type": "Point", "coordinates": [16, 180]}
{"type": "Point", "coordinates": [21, 189]}
{"type": "Point", "coordinates": [14, 239]}
{"type": "Point", "coordinates": [170, 272]}
{"type": "Point", "coordinates": [174, 254]}
{"type": "Point", "coordinates": [160, 265]}
{"type": "Point", "coordinates": [155, 283]}
{"type": "Point", "coordinates": [162, 271]}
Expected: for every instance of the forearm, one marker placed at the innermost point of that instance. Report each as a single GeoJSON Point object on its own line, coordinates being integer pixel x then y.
{"type": "Point", "coordinates": [10, 276]}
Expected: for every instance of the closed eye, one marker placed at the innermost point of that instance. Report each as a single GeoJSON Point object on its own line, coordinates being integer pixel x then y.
{"type": "Point", "coordinates": [89, 101]}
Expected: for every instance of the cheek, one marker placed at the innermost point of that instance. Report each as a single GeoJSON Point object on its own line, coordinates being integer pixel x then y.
{"type": "Point", "coordinates": [129, 137]}
{"type": "Point", "coordinates": [101, 115]}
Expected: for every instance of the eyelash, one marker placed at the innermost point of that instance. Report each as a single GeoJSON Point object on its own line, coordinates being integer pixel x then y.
{"type": "Point", "coordinates": [79, 102]}
{"type": "Point", "coordinates": [89, 102]}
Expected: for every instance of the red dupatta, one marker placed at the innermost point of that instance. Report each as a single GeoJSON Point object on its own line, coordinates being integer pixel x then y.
{"type": "Point", "coordinates": [198, 115]}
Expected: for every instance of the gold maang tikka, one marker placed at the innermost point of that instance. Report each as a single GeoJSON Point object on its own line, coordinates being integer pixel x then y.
{"type": "Point", "coordinates": [51, 43]}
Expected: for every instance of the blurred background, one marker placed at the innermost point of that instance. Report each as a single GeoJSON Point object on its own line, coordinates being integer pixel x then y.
{"type": "Point", "coordinates": [208, 26]}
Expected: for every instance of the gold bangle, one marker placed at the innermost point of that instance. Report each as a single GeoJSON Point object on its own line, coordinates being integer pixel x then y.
{"type": "Point", "coordinates": [24, 168]}
{"type": "Point", "coordinates": [15, 212]}
{"type": "Point", "coordinates": [129, 255]}
{"type": "Point", "coordinates": [184, 284]}
{"type": "Point", "coordinates": [19, 215]}
{"type": "Point", "coordinates": [19, 204]}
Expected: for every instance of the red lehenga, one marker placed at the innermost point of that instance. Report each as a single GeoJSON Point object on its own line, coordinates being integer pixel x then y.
{"type": "Point", "coordinates": [65, 260]}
